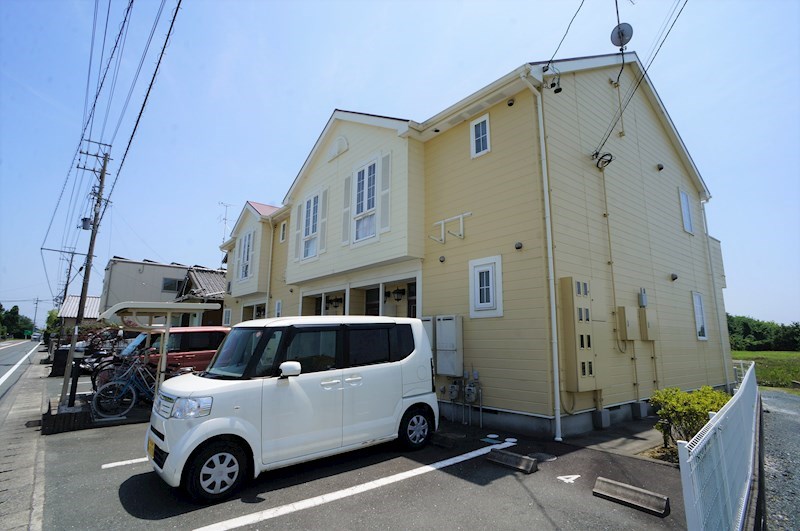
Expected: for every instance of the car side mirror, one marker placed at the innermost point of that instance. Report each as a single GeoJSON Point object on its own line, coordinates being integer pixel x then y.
{"type": "Point", "coordinates": [289, 368]}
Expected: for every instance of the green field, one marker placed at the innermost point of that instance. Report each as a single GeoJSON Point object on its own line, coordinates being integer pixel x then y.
{"type": "Point", "coordinates": [773, 369]}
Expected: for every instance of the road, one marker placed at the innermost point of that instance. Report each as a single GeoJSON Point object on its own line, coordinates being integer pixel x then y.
{"type": "Point", "coordinates": [15, 356]}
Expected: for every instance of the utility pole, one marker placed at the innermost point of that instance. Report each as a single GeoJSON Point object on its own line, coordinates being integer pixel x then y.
{"type": "Point", "coordinates": [63, 300]}
{"type": "Point", "coordinates": [35, 312]}
{"type": "Point", "coordinates": [84, 290]}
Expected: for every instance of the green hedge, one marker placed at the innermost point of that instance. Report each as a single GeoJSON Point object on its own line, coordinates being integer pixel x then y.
{"type": "Point", "coordinates": [683, 414]}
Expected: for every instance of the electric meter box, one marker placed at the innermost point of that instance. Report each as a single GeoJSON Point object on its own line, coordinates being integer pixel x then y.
{"type": "Point", "coordinates": [449, 345]}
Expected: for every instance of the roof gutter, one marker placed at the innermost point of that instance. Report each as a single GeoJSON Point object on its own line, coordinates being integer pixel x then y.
{"type": "Point", "coordinates": [551, 281]}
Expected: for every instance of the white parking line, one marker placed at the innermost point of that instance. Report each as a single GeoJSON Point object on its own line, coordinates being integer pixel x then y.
{"type": "Point", "coordinates": [338, 495]}
{"type": "Point", "coordinates": [124, 463]}
{"type": "Point", "coordinates": [7, 375]}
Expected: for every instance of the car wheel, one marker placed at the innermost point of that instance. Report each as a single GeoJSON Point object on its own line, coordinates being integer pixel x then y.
{"type": "Point", "coordinates": [216, 472]}
{"type": "Point", "coordinates": [416, 428]}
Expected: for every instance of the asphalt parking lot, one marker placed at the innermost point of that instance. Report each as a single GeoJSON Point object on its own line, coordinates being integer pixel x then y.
{"type": "Point", "coordinates": [97, 479]}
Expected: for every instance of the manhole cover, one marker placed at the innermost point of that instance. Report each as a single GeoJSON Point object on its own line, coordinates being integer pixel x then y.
{"type": "Point", "coordinates": [542, 457]}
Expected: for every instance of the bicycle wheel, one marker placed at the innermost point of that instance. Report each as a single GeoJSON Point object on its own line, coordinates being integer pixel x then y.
{"type": "Point", "coordinates": [104, 372]}
{"type": "Point", "coordinates": [114, 399]}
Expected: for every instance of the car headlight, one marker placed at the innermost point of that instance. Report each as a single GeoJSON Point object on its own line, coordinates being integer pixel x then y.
{"type": "Point", "coordinates": [190, 408]}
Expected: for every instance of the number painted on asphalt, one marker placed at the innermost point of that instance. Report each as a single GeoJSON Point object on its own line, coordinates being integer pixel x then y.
{"type": "Point", "coordinates": [568, 479]}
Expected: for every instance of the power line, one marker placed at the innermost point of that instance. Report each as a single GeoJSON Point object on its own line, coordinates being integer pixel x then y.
{"type": "Point", "coordinates": [138, 70]}
{"type": "Point", "coordinates": [86, 122]}
{"type": "Point", "coordinates": [565, 36]}
{"type": "Point", "coordinates": [618, 114]}
{"type": "Point", "coordinates": [144, 103]}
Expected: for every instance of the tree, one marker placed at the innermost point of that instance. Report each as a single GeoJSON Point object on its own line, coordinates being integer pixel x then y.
{"type": "Point", "coordinates": [13, 323]}
{"type": "Point", "coordinates": [751, 334]}
{"type": "Point", "coordinates": [52, 324]}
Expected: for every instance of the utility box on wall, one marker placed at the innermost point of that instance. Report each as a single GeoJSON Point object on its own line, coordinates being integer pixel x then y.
{"type": "Point", "coordinates": [648, 326]}
{"type": "Point", "coordinates": [449, 345]}
{"type": "Point", "coordinates": [627, 328]}
{"type": "Point", "coordinates": [580, 362]}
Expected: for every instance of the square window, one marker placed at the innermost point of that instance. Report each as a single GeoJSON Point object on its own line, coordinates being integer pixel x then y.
{"type": "Point", "coordinates": [479, 136]}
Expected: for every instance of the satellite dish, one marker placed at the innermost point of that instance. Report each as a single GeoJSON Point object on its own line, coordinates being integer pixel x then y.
{"type": "Point", "coordinates": [622, 34]}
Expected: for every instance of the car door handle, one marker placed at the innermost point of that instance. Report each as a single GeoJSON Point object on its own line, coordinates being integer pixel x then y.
{"type": "Point", "coordinates": [353, 380]}
{"type": "Point", "coordinates": [329, 383]}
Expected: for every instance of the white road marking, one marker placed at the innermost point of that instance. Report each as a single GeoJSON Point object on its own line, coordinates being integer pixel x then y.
{"type": "Point", "coordinates": [124, 463]}
{"type": "Point", "coordinates": [568, 479]}
{"type": "Point", "coordinates": [7, 375]}
{"type": "Point", "coordinates": [352, 491]}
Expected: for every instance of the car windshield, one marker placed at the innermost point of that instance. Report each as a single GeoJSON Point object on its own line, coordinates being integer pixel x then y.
{"type": "Point", "coordinates": [240, 347]}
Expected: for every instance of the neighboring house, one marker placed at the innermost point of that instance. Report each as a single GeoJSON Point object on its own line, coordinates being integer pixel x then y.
{"type": "Point", "coordinates": [562, 251]}
{"type": "Point", "coordinates": [68, 312]}
{"type": "Point", "coordinates": [141, 281]}
{"type": "Point", "coordinates": [203, 285]}
{"type": "Point", "coordinates": [257, 241]}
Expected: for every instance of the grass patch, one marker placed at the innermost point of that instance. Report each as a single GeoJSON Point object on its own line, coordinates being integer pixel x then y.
{"type": "Point", "coordinates": [773, 369]}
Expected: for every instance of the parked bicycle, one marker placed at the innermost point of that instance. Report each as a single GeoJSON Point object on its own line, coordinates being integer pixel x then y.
{"type": "Point", "coordinates": [117, 397]}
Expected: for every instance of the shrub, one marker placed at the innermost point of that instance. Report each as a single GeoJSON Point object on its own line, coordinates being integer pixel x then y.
{"type": "Point", "coordinates": [683, 414]}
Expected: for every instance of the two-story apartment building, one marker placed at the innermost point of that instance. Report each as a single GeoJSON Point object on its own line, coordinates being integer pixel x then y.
{"type": "Point", "coordinates": [553, 221]}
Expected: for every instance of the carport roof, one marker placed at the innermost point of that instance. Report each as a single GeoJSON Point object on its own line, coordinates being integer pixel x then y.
{"type": "Point", "coordinates": [69, 309]}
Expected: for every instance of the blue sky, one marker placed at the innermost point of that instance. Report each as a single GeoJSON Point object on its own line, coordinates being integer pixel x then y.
{"type": "Point", "coordinates": [246, 87]}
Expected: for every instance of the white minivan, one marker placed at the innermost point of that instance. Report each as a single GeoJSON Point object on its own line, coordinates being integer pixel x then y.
{"type": "Point", "coordinates": [291, 389]}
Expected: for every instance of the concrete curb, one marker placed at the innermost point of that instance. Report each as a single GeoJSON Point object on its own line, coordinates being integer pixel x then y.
{"type": "Point", "coordinates": [644, 500]}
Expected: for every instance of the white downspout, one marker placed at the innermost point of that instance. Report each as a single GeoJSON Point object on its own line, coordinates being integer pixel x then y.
{"type": "Point", "coordinates": [269, 265]}
{"type": "Point", "coordinates": [551, 281]}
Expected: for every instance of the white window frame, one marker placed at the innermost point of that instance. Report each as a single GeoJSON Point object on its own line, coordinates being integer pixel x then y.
{"type": "Point", "coordinates": [365, 207]}
{"type": "Point", "coordinates": [474, 138]}
{"type": "Point", "coordinates": [481, 269]}
{"type": "Point", "coordinates": [310, 230]}
{"type": "Point", "coordinates": [700, 326]}
{"type": "Point", "coordinates": [226, 317]}
{"type": "Point", "coordinates": [686, 211]}
{"type": "Point", "coordinates": [244, 268]}
{"type": "Point", "coordinates": [282, 232]}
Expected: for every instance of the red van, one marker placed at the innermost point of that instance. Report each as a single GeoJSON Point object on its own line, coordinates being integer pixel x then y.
{"type": "Point", "coordinates": [189, 346]}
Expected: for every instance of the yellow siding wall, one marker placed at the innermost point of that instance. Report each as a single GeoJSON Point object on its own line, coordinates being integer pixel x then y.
{"type": "Point", "coordinates": [279, 290]}
{"type": "Point", "coordinates": [259, 261]}
{"type": "Point", "coordinates": [645, 230]}
{"type": "Point", "coordinates": [366, 143]}
{"type": "Point", "coordinates": [502, 189]}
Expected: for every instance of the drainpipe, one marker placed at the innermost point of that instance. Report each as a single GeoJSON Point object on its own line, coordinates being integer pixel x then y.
{"type": "Point", "coordinates": [551, 281]}
{"type": "Point", "coordinates": [714, 295]}
{"type": "Point", "coordinates": [269, 265]}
